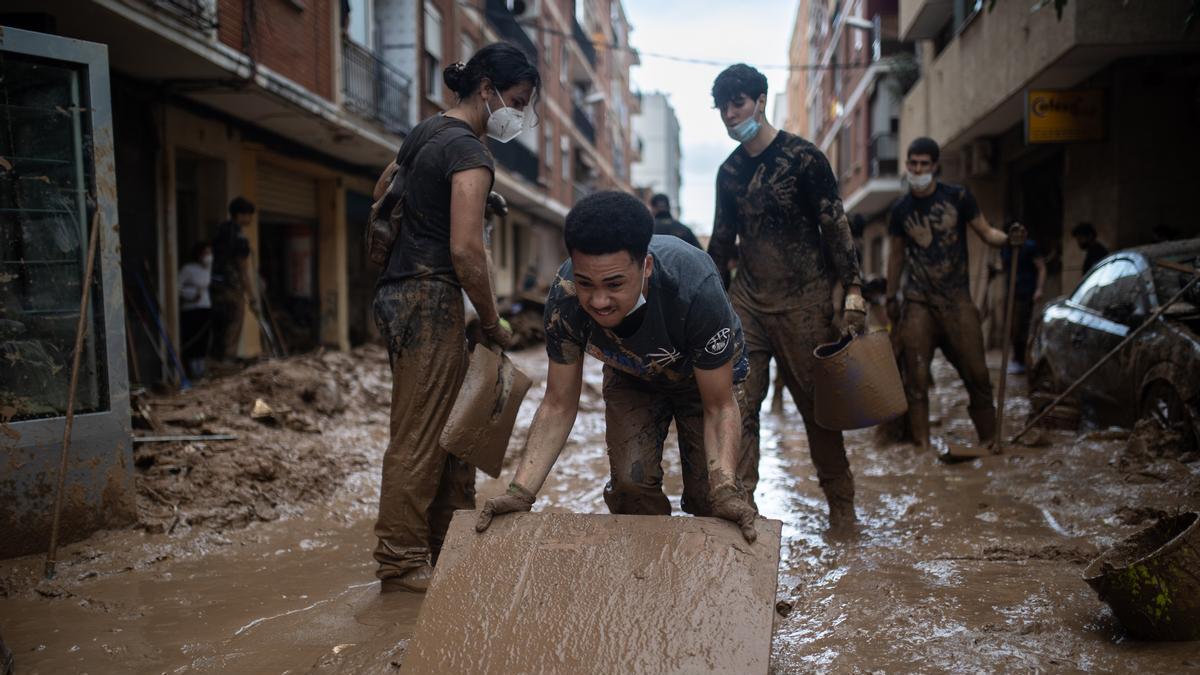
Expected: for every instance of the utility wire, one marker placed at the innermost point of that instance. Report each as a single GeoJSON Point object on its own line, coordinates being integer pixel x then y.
{"type": "Point", "coordinates": [613, 46]}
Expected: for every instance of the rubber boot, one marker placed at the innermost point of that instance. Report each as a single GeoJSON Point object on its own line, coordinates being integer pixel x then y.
{"type": "Point", "coordinates": [839, 493]}
{"type": "Point", "coordinates": [985, 424]}
{"type": "Point", "coordinates": [918, 421]}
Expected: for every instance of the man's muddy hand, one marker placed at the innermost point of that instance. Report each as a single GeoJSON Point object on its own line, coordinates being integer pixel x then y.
{"type": "Point", "coordinates": [499, 333]}
{"type": "Point", "coordinates": [854, 322]}
{"type": "Point", "coordinates": [728, 503]}
{"type": "Point", "coordinates": [516, 500]}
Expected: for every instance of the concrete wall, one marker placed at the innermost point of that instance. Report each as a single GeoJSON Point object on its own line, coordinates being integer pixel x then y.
{"type": "Point", "coordinates": [659, 166]}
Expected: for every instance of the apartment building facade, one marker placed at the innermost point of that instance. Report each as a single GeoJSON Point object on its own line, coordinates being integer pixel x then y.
{"type": "Point", "coordinates": [854, 81]}
{"type": "Point", "coordinates": [1115, 81]}
{"type": "Point", "coordinates": [659, 168]}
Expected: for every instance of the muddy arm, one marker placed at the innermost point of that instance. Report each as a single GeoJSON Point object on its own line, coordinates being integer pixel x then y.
{"type": "Point", "coordinates": [723, 243]}
{"type": "Point", "coordinates": [468, 195]}
{"type": "Point", "coordinates": [722, 423]}
{"type": "Point", "coordinates": [895, 264]}
{"type": "Point", "coordinates": [994, 237]}
{"type": "Point", "coordinates": [551, 424]}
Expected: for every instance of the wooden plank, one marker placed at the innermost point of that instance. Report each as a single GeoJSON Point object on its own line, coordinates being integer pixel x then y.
{"type": "Point", "coordinates": [578, 593]}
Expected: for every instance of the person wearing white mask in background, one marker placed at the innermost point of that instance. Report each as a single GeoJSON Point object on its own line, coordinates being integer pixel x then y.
{"type": "Point", "coordinates": [778, 212]}
{"type": "Point", "coordinates": [195, 308]}
{"type": "Point", "coordinates": [928, 240]}
{"type": "Point", "coordinates": [440, 251]}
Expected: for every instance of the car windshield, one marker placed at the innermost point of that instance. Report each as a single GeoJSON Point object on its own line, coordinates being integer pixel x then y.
{"type": "Point", "coordinates": [1168, 282]}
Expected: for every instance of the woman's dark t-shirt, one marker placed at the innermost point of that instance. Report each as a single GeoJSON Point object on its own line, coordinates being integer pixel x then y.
{"type": "Point", "coordinates": [423, 248]}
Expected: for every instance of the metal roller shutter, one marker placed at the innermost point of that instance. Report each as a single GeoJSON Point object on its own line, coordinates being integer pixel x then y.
{"type": "Point", "coordinates": [286, 192]}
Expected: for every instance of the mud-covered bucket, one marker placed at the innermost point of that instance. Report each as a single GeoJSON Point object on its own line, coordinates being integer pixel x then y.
{"type": "Point", "coordinates": [856, 383]}
{"type": "Point", "coordinates": [485, 411]}
{"type": "Point", "coordinates": [1152, 580]}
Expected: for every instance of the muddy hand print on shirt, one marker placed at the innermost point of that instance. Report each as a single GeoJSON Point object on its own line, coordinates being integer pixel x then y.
{"type": "Point", "coordinates": [935, 235]}
{"type": "Point", "coordinates": [779, 214]}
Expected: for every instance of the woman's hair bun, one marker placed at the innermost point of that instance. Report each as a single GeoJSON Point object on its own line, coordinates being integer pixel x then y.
{"type": "Point", "coordinates": [453, 75]}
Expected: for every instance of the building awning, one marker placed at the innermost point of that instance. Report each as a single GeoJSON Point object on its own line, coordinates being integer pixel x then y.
{"type": "Point", "coordinates": [873, 197]}
{"type": "Point", "coordinates": [927, 22]}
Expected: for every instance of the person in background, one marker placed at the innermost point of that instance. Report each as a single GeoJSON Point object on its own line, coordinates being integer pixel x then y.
{"type": "Point", "coordinates": [1031, 281]}
{"type": "Point", "coordinates": [665, 223]}
{"type": "Point", "coordinates": [195, 308]}
{"type": "Point", "coordinates": [1094, 251]}
{"type": "Point", "coordinates": [231, 279]}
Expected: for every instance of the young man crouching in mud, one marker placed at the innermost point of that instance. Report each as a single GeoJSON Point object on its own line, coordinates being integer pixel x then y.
{"type": "Point", "coordinates": [654, 311]}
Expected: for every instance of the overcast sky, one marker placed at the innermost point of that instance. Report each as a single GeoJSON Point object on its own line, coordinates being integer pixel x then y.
{"type": "Point", "coordinates": [751, 31]}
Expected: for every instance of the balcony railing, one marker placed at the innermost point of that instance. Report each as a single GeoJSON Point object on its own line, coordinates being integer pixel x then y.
{"type": "Point", "coordinates": [515, 157]}
{"type": "Point", "coordinates": [506, 24]}
{"type": "Point", "coordinates": [199, 14]}
{"type": "Point", "coordinates": [585, 42]}
{"type": "Point", "coordinates": [883, 155]}
{"type": "Point", "coordinates": [583, 123]}
{"type": "Point", "coordinates": [580, 190]}
{"type": "Point", "coordinates": [375, 89]}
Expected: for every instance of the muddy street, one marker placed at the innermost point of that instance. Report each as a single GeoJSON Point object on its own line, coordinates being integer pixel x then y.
{"type": "Point", "coordinates": [958, 568]}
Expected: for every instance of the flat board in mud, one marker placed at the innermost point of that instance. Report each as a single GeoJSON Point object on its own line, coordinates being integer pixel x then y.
{"type": "Point", "coordinates": [578, 593]}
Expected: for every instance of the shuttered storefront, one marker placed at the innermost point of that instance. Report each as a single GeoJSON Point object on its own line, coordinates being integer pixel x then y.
{"type": "Point", "coordinates": [286, 193]}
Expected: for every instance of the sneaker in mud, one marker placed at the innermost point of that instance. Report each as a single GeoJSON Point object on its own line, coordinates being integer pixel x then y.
{"type": "Point", "coordinates": [415, 580]}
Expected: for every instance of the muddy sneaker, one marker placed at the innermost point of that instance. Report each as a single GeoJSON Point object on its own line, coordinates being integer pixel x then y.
{"type": "Point", "coordinates": [415, 580]}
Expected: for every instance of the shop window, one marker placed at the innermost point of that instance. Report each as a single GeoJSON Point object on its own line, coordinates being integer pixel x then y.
{"type": "Point", "coordinates": [45, 222]}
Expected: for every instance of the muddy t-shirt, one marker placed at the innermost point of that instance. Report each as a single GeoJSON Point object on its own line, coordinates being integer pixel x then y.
{"type": "Point", "coordinates": [688, 321]}
{"type": "Point", "coordinates": [779, 213]}
{"type": "Point", "coordinates": [934, 228]}
{"type": "Point", "coordinates": [423, 247]}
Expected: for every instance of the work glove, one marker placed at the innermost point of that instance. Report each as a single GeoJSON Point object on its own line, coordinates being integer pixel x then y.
{"type": "Point", "coordinates": [499, 333]}
{"type": "Point", "coordinates": [1016, 235]}
{"type": "Point", "coordinates": [728, 503]}
{"type": "Point", "coordinates": [516, 500]}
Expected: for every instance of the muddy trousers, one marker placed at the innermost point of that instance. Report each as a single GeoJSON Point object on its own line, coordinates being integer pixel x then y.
{"type": "Point", "coordinates": [228, 312]}
{"type": "Point", "coordinates": [422, 322]}
{"type": "Point", "coordinates": [955, 329]}
{"type": "Point", "coordinates": [790, 338]}
{"type": "Point", "coordinates": [637, 418]}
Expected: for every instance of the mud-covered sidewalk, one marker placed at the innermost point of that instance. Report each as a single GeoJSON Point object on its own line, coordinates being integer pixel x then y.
{"type": "Point", "coordinates": [254, 555]}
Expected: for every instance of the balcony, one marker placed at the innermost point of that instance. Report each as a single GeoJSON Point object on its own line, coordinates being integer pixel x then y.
{"type": "Point", "coordinates": [580, 190]}
{"type": "Point", "coordinates": [375, 89]}
{"type": "Point", "coordinates": [584, 42]}
{"type": "Point", "coordinates": [517, 158]}
{"type": "Point", "coordinates": [883, 155]}
{"type": "Point", "coordinates": [199, 14]}
{"type": "Point", "coordinates": [506, 25]}
{"type": "Point", "coordinates": [583, 123]}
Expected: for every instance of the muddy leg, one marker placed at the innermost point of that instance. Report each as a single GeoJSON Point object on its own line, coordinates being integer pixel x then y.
{"type": "Point", "coordinates": [422, 323]}
{"type": "Point", "coordinates": [795, 335]}
{"type": "Point", "coordinates": [455, 492]}
{"type": "Point", "coordinates": [918, 338]}
{"type": "Point", "coordinates": [750, 398]}
{"type": "Point", "coordinates": [689, 422]}
{"type": "Point", "coordinates": [962, 343]}
{"type": "Point", "coordinates": [637, 420]}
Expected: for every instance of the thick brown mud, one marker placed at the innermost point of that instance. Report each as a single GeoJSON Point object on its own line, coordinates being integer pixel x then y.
{"type": "Point", "coordinates": [969, 567]}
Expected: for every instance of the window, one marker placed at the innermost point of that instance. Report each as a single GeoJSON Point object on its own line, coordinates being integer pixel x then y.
{"type": "Point", "coordinates": [547, 45]}
{"type": "Point", "coordinates": [433, 52]}
{"type": "Point", "coordinates": [1111, 289]}
{"type": "Point", "coordinates": [564, 67]}
{"type": "Point", "coordinates": [549, 145]}
{"type": "Point", "coordinates": [566, 159]}
{"type": "Point", "coordinates": [44, 235]}
{"type": "Point", "coordinates": [359, 22]}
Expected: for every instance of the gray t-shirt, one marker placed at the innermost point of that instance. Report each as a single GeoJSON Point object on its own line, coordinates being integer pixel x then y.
{"type": "Point", "coordinates": [688, 321]}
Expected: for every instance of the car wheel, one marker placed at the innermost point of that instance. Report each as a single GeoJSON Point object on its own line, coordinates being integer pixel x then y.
{"type": "Point", "coordinates": [1163, 404]}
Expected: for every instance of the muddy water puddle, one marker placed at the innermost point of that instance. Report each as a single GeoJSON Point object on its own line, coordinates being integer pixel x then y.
{"type": "Point", "coordinates": [956, 568]}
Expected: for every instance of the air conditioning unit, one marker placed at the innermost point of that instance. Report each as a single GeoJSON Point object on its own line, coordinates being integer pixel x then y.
{"type": "Point", "coordinates": [977, 158]}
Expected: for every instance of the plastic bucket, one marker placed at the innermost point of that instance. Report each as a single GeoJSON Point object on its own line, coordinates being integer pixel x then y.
{"type": "Point", "coordinates": [482, 419]}
{"type": "Point", "coordinates": [856, 383]}
{"type": "Point", "coordinates": [1152, 579]}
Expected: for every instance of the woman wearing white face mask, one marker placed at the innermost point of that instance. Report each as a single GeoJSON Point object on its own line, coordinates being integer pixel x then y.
{"type": "Point", "coordinates": [439, 253]}
{"type": "Point", "coordinates": [195, 308]}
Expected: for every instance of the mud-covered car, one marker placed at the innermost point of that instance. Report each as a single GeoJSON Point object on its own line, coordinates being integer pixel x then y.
{"type": "Point", "coordinates": [1157, 374]}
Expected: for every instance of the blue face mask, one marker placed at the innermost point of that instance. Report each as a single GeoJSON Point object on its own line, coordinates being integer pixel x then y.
{"type": "Point", "coordinates": [747, 128]}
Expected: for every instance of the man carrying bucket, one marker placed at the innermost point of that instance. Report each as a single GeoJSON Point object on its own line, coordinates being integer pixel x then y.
{"type": "Point", "coordinates": [778, 207]}
{"type": "Point", "coordinates": [928, 229]}
{"type": "Point", "coordinates": [653, 310]}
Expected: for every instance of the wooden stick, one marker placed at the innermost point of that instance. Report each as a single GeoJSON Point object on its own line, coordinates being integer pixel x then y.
{"type": "Point", "coordinates": [80, 328]}
{"type": "Point", "coordinates": [1096, 366]}
{"type": "Point", "coordinates": [1010, 301]}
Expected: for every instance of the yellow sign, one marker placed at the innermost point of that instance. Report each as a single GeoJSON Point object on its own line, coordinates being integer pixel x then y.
{"type": "Point", "coordinates": [1064, 116]}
